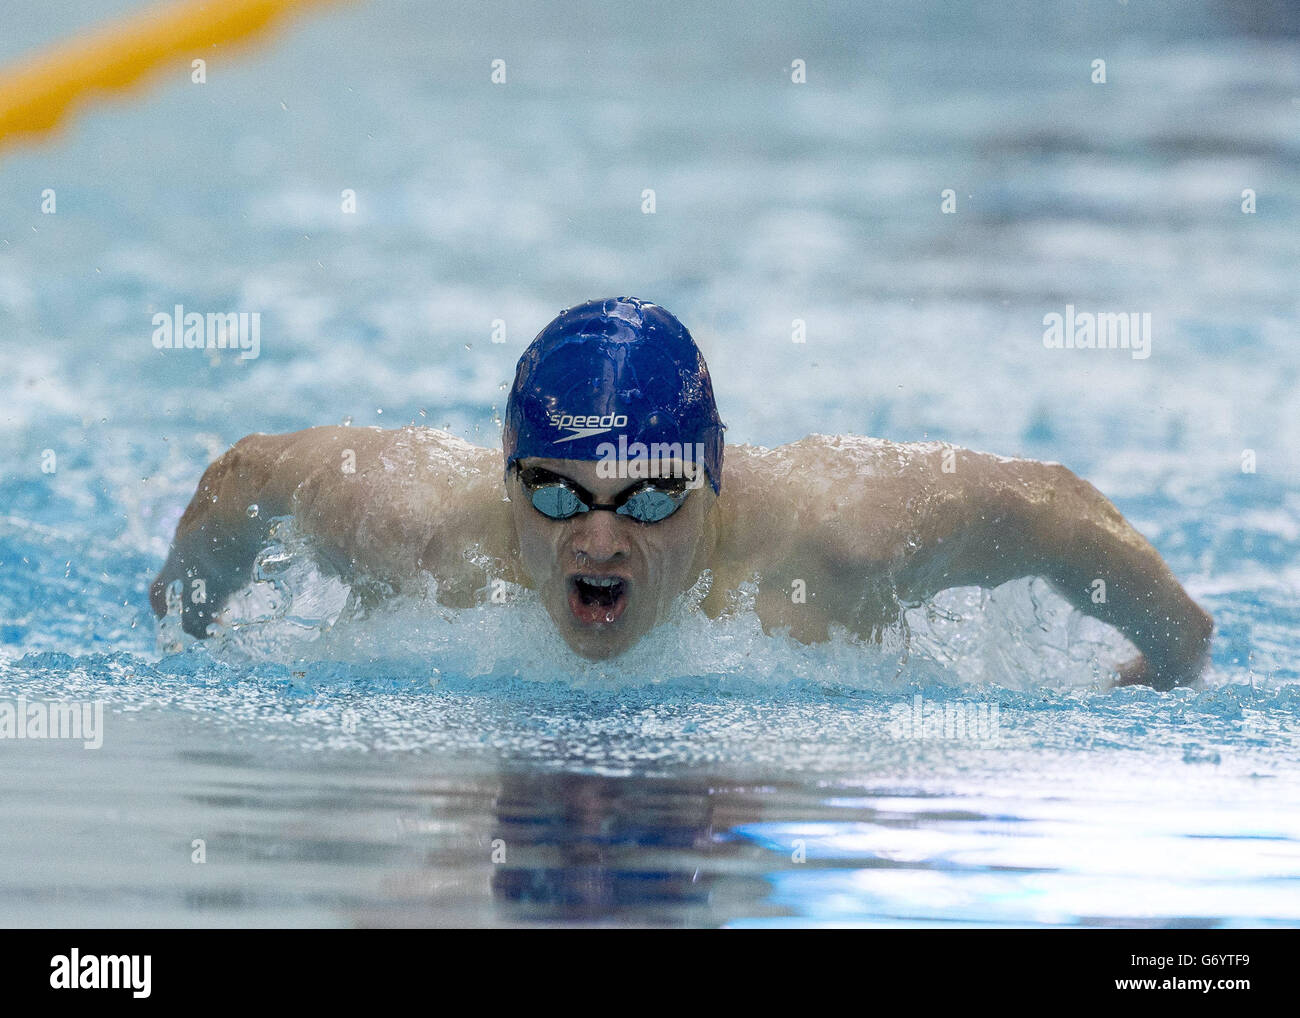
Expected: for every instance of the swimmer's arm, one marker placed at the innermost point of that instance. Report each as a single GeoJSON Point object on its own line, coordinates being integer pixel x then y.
{"type": "Point", "coordinates": [216, 540]}
{"type": "Point", "coordinates": [997, 519]}
{"type": "Point", "coordinates": [330, 479]}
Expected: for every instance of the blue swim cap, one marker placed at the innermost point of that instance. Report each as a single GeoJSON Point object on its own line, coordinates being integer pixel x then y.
{"type": "Point", "coordinates": [609, 374]}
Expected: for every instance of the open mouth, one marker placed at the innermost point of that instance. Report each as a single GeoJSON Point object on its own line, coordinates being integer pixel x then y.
{"type": "Point", "coordinates": [597, 599]}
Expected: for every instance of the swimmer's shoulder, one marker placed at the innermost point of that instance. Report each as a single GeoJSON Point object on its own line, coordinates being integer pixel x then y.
{"type": "Point", "coordinates": [838, 497]}
{"type": "Point", "coordinates": [876, 461]}
{"type": "Point", "coordinates": [407, 476]}
{"type": "Point", "coordinates": [395, 499]}
{"type": "Point", "coordinates": [445, 455]}
{"type": "Point", "coordinates": [816, 459]}
{"type": "Point", "coordinates": [768, 498]}
{"type": "Point", "coordinates": [411, 452]}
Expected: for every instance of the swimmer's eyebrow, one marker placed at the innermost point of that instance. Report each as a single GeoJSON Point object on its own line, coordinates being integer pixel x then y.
{"type": "Point", "coordinates": [537, 476]}
{"type": "Point", "coordinates": [542, 475]}
{"type": "Point", "coordinates": [545, 474]}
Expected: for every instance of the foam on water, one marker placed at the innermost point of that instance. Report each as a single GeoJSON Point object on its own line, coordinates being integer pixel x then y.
{"type": "Point", "coordinates": [1021, 635]}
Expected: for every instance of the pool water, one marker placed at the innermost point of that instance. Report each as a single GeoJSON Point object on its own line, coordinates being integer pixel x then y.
{"type": "Point", "coordinates": [328, 764]}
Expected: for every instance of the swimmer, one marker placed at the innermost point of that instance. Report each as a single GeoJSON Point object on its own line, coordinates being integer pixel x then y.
{"type": "Point", "coordinates": [608, 500]}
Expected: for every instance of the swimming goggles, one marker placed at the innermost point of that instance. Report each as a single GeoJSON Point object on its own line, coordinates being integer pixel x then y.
{"type": "Point", "coordinates": [559, 498]}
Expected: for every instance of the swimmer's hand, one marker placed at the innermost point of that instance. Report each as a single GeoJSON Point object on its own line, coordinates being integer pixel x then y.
{"type": "Point", "coordinates": [1139, 671]}
{"type": "Point", "coordinates": [1136, 671]}
{"type": "Point", "coordinates": [1088, 540]}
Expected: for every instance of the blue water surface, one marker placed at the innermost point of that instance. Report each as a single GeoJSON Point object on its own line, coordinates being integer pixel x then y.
{"type": "Point", "coordinates": [414, 768]}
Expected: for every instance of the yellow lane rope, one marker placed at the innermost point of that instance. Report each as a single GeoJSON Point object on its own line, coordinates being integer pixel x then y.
{"type": "Point", "coordinates": [39, 91]}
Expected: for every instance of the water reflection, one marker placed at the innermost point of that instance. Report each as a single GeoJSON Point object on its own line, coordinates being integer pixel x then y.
{"type": "Point", "coordinates": [583, 847]}
{"type": "Point", "coordinates": [402, 840]}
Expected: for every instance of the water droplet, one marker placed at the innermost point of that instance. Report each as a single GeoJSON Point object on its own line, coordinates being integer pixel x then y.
{"type": "Point", "coordinates": [253, 511]}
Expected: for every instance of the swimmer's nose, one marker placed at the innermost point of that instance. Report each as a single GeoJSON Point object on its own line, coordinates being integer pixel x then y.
{"type": "Point", "coordinates": [599, 536]}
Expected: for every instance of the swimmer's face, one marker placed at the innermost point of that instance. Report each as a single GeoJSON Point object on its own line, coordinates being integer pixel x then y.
{"type": "Point", "coordinates": [605, 578]}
